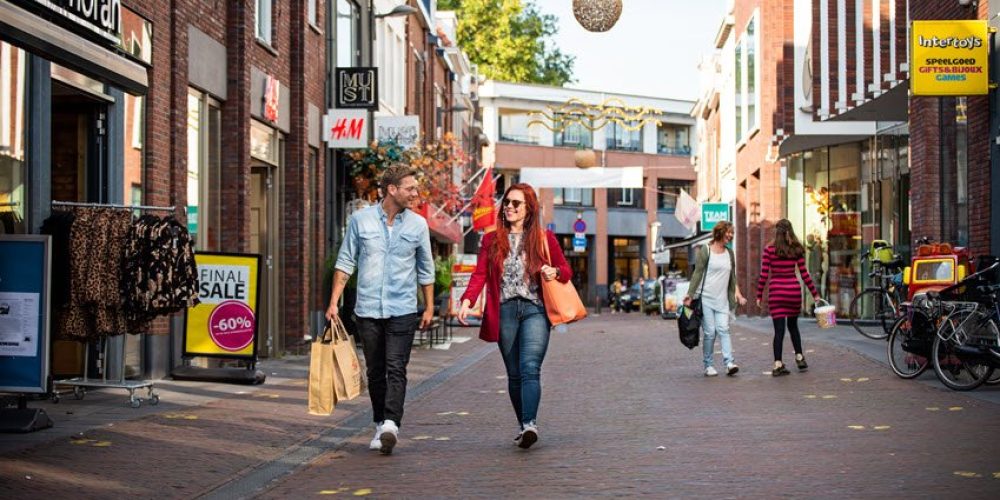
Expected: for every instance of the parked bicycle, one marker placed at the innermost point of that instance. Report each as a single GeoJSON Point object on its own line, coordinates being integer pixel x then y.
{"type": "Point", "coordinates": [875, 310]}
{"type": "Point", "coordinates": [966, 350]}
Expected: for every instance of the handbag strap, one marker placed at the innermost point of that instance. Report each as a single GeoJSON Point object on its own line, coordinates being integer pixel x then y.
{"type": "Point", "coordinates": [545, 247]}
{"type": "Point", "coordinates": [704, 272]}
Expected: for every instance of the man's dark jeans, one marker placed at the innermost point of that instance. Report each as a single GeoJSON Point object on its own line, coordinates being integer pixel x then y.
{"type": "Point", "coordinates": [387, 344]}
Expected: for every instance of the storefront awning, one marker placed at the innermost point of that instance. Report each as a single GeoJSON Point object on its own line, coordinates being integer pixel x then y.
{"type": "Point", "coordinates": [594, 177]}
{"type": "Point", "coordinates": [441, 225]}
{"type": "Point", "coordinates": [71, 50]}
{"type": "Point", "coordinates": [694, 240]}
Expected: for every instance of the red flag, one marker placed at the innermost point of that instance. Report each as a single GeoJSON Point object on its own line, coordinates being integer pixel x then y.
{"type": "Point", "coordinates": [484, 211]}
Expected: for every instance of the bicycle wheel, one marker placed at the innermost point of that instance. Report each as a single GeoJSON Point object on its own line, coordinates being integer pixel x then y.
{"type": "Point", "coordinates": [907, 351]}
{"type": "Point", "coordinates": [872, 313]}
{"type": "Point", "coordinates": [954, 368]}
{"type": "Point", "coordinates": [994, 379]}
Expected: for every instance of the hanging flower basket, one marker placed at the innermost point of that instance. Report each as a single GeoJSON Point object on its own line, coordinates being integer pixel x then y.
{"type": "Point", "coordinates": [597, 15]}
{"type": "Point", "coordinates": [585, 158]}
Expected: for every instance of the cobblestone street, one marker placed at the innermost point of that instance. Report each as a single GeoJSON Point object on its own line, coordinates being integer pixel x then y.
{"type": "Point", "coordinates": [625, 411]}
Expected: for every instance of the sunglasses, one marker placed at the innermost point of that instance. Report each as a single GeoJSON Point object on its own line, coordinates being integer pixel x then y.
{"type": "Point", "coordinates": [516, 203]}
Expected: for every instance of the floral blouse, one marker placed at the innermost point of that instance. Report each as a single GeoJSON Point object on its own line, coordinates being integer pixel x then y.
{"type": "Point", "coordinates": [515, 283]}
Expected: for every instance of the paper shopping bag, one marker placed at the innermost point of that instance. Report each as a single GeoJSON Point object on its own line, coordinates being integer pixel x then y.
{"type": "Point", "coordinates": [322, 372]}
{"type": "Point", "coordinates": [348, 377]}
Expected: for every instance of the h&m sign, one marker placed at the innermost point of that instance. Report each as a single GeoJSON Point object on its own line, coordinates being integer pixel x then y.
{"type": "Point", "coordinates": [346, 128]}
{"type": "Point", "coordinates": [357, 88]}
{"type": "Point", "coordinates": [92, 17]}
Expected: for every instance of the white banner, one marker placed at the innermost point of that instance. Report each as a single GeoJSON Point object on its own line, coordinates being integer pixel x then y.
{"type": "Point", "coordinates": [405, 130]}
{"type": "Point", "coordinates": [594, 177]}
{"type": "Point", "coordinates": [346, 128]}
{"type": "Point", "coordinates": [686, 210]}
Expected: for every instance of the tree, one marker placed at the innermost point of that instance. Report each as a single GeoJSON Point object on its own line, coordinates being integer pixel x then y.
{"type": "Point", "coordinates": [509, 41]}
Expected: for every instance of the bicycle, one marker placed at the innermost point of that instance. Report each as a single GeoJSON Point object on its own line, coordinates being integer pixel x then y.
{"type": "Point", "coordinates": [875, 310]}
{"type": "Point", "coordinates": [966, 350]}
{"type": "Point", "coordinates": [911, 339]}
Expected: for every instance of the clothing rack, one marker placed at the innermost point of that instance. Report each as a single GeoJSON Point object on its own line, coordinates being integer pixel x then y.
{"type": "Point", "coordinates": [80, 384]}
{"type": "Point", "coordinates": [9, 204]}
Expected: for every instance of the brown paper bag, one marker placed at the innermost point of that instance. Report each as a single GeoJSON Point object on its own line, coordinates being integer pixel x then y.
{"type": "Point", "coordinates": [348, 376]}
{"type": "Point", "coordinates": [322, 375]}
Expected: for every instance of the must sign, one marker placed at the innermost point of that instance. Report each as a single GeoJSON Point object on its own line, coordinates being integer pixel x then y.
{"type": "Point", "coordinates": [713, 213]}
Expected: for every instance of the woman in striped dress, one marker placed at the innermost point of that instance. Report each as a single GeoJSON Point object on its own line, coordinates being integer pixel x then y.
{"type": "Point", "coordinates": [784, 298]}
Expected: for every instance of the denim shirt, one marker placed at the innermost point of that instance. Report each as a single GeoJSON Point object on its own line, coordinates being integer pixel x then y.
{"type": "Point", "coordinates": [389, 268]}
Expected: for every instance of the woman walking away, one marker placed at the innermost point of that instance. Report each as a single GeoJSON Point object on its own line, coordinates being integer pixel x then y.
{"type": "Point", "coordinates": [714, 280]}
{"type": "Point", "coordinates": [784, 297]}
{"type": "Point", "coordinates": [511, 265]}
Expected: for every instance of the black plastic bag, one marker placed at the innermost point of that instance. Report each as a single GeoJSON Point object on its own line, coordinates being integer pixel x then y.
{"type": "Point", "coordinates": [689, 324]}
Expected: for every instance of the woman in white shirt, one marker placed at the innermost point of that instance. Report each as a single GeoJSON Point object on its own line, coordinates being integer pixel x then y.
{"type": "Point", "coordinates": [714, 280]}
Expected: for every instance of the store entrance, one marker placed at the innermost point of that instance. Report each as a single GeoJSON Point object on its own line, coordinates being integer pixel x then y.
{"type": "Point", "coordinates": [79, 174]}
{"type": "Point", "coordinates": [263, 242]}
{"type": "Point", "coordinates": [579, 262]}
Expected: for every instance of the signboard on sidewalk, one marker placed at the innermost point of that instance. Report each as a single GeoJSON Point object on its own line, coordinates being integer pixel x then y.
{"type": "Point", "coordinates": [712, 214]}
{"type": "Point", "coordinates": [950, 58]}
{"type": "Point", "coordinates": [24, 320]}
{"type": "Point", "coordinates": [461, 273]}
{"type": "Point", "coordinates": [224, 323]}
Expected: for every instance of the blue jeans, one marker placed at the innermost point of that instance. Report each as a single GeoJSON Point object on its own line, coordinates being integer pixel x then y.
{"type": "Point", "coordinates": [524, 338]}
{"type": "Point", "coordinates": [716, 323]}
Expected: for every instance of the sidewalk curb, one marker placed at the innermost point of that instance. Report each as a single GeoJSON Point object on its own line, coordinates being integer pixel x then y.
{"type": "Point", "coordinates": [261, 477]}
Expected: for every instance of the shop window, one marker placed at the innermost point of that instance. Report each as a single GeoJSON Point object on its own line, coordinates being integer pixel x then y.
{"type": "Point", "coordinates": [667, 192]}
{"type": "Point", "coordinates": [672, 140]}
{"type": "Point", "coordinates": [204, 179]}
{"type": "Point", "coordinates": [134, 154]}
{"type": "Point", "coordinates": [136, 38]}
{"type": "Point", "coordinates": [311, 12]}
{"type": "Point", "coordinates": [573, 133]}
{"type": "Point", "coordinates": [746, 69]}
{"type": "Point", "coordinates": [625, 136]}
{"type": "Point", "coordinates": [517, 126]}
{"type": "Point", "coordinates": [348, 34]}
{"type": "Point", "coordinates": [263, 15]}
{"type": "Point", "coordinates": [13, 129]}
{"type": "Point", "coordinates": [390, 47]}
{"type": "Point", "coordinates": [574, 196]}
{"type": "Point", "coordinates": [625, 198]}
{"type": "Point", "coordinates": [954, 178]}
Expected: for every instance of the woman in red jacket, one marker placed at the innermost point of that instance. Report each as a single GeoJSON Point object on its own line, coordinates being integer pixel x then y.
{"type": "Point", "coordinates": [511, 264]}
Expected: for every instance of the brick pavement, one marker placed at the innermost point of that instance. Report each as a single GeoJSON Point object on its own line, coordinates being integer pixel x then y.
{"type": "Point", "coordinates": [200, 436]}
{"type": "Point", "coordinates": [618, 388]}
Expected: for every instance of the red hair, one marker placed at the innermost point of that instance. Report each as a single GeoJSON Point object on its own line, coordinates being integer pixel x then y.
{"type": "Point", "coordinates": [532, 238]}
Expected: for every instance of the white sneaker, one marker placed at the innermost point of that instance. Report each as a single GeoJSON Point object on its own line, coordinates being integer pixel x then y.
{"type": "Point", "coordinates": [389, 436]}
{"type": "Point", "coordinates": [710, 371]}
{"type": "Point", "coordinates": [731, 369]}
{"type": "Point", "coordinates": [528, 436]}
{"type": "Point", "coordinates": [376, 443]}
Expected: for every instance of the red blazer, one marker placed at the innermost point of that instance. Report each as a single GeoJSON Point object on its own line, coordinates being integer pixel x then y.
{"type": "Point", "coordinates": [488, 274]}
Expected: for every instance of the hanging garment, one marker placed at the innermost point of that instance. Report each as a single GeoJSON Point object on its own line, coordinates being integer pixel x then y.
{"type": "Point", "coordinates": [160, 276]}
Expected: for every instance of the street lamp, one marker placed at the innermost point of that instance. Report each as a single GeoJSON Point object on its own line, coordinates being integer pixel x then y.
{"type": "Point", "coordinates": [441, 111]}
{"type": "Point", "coordinates": [399, 10]}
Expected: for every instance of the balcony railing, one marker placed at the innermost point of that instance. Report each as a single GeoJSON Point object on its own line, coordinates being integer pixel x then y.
{"type": "Point", "coordinates": [670, 150]}
{"type": "Point", "coordinates": [519, 139]}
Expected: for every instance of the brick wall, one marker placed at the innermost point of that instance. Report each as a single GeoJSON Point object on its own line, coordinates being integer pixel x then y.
{"type": "Point", "coordinates": [926, 144]}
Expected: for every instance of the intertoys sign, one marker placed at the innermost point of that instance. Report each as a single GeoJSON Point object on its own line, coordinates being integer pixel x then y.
{"type": "Point", "coordinates": [357, 88]}
{"type": "Point", "coordinates": [100, 17]}
{"type": "Point", "coordinates": [950, 58]}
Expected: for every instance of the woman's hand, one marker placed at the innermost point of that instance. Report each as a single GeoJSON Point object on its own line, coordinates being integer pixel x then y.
{"type": "Point", "coordinates": [464, 311]}
{"type": "Point", "coordinates": [687, 301]}
{"type": "Point", "coordinates": [758, 302]}
{"type": "Point", "coordinates": [549, 272]}
{"type": "Point", "coordinates": [740, 299]}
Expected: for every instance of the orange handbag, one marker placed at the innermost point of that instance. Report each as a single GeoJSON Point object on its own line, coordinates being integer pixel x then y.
{"type": "Point", "coordinates": [562, 302]}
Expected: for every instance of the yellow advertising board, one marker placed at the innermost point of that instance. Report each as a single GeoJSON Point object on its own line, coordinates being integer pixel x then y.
{"type": "Point", "coordinates": [950, 58]}
{"type": "Point", "coordinates": [224, 323]}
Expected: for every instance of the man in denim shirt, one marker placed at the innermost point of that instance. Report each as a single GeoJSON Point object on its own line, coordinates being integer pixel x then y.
{"type": "Point", "coordinates": [391, 249]}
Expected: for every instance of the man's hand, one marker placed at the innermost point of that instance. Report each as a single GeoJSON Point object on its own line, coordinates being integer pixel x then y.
{"type": "Point", "coordinates": [332, 312]}
{"type": "Point", "coordinates": [464, 311]}
{"type": "Point", "coordinates": [427, 318]}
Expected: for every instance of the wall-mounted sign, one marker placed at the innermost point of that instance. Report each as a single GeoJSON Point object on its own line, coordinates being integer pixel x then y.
{"type": "Point", "coordinates": [272, 89]}
{"type": "Point", "coordinates": [346, 128]}
{"type": "Point", "coordinates": [950, 58]}
{"type": "Point", "coordinates": [357, 88]}
{"type": "Point", "coordinates": [224, 323]}
{"type": "Point", "coordinates": [712, 214]}
{"type": "Point", "coordinates": [100, 18]}
{"type": "Point", "coordinates": [403, 130]}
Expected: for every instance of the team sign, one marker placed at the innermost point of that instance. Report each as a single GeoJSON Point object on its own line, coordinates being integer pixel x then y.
{"type": "Point", "coordinates": [950, 58]}
{"type": "Point", "coordinates": [224, 323]}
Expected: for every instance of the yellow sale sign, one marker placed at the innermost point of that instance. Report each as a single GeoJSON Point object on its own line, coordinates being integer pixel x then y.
{"type": "Point", "coordinates": [224, 323]}
{"type": "Point", "coordinates": [950, 58]}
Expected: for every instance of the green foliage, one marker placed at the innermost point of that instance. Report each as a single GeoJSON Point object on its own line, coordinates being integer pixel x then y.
{"type": "Point", "coordinates": [508, 40]}
{"type": "Point", "coordinates": [442, 274]}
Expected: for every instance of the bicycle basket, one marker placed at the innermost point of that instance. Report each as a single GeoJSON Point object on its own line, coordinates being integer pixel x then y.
{"type": "Point", "coordinates": [880, 251]}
